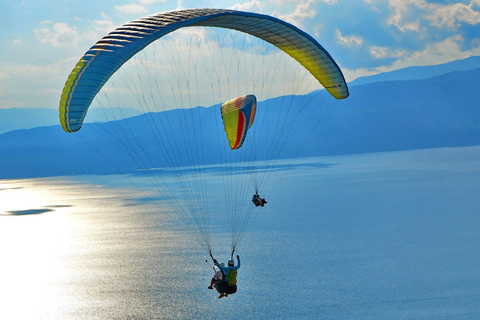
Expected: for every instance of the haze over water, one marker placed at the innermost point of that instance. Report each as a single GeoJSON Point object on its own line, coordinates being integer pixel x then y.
{"type": "Point", "coordinates": [374, 236]}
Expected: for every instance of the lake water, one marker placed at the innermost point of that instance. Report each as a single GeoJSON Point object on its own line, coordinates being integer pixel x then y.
{"type": "Point", "coordinates": [374, 236]}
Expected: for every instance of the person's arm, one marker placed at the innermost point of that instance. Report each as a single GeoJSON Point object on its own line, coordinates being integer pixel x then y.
{"type": "Point", "coordinates": [224, 269]}
{"type": "Point", "coordinates": [238, 261]}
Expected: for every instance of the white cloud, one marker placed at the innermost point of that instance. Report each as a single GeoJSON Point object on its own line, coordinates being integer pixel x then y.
{"type": "Point", "coordinates": [407, 14]}
{"type": "Point", "coordinates": [279, 3]}
{"type": "Point", "coordinates": [16, 41]}
{"type": "Point", "coordinates": [302, 11]}
{"type": "Point", "coordinates": [444, 51]}
{"type": "Point", "coordinates": [104, 26]}
{"type": "Point", "coordinates": [64, 35]}
{"type": "Point", "coordinates": [436, 53]}
{"type": "Point", "coordinates": [58, 35]}
{"type": "Point", "coordinates": [39, 86]}
{"type": "Point", "coordinates": [33, 70]}
{"type": "Point", "coordinates": [352, 74]}
{"type": "Point", "coordinates": [452, 15]}
{"type": "Point", "coordinates": [349, 40]}
{"type": "Point", "coordinates": [403, 16]}
{"type": "Point", "coordinates": [180, 5]}
{"type": "Point", "coordinates": [185, 36]}
{"type": "Point", "coordinates": [131, 9]}
{"type": "Point", "coordinates": [318, 28]}
{"type": "Point", "coordinates": [372, 6]}
{"type": "Point", "coordinates": [149, 2]}
{"type": "Point", "coordinates": [385, 52]}
{"type": "Point", "coordinates": [252, 6]}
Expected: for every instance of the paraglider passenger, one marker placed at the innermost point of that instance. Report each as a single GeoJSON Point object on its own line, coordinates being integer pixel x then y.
{"type": "Point", "coordinates": [218, 277]}
{"type": "Point", "coordinates": [263, 201]}
{"type": "Point", "coordinates": [229, 284]}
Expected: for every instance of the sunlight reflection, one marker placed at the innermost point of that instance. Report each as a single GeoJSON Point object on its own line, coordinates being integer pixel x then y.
{"type": "Point", "coordinates": [31, 245]}
{"type": "Point", "coordinates": [41, 222]}
{"type": "Point", "coordinates": [16, 199]}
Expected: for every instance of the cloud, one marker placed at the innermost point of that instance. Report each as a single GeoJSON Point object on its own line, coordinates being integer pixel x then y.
{"type": "Point", "coordinates": [149, 2]}
{"type": "Point", "coordinates": [252, 6]}
{"type": "Point", "coordinates": [317, 29]}
{"type": "Point", "coordinates": [404, 15]}
{"type": "Point", "coordinates": [435, 53]}
{"type": "Point", "coordinates": [302, 11]}
{"type": "Point", "coordinates": [352, 74]}
{"type": "Point", "coordinates": [34, 70]}
{"type": "Point", "coordinates": [279, 3]}
{"type": "Point", "coordinates": [407, 14]}
{"type": "Point", "coordinates": [348, 40]}
{"type": "Point", "coordinates": [58, 35]}
{"type": "Point", "coordinates": [440, 52]}
{"type": "Point", "coordinates": [29, 85]}
{"type": "Point", "coordinates": [386, 52]}
{"type": "Point", "coordinates": [104, 26]}
{"type": "Point", "coordinates": [453, 15]}
{"type": "Point", "coordinates": [131, 9]}
{"type": "Point", "coordinates": [63, 35]}
{"type": "Point", "coordinates": [444, 51]}
{"type": "Point", "coordinates": [180, 5]}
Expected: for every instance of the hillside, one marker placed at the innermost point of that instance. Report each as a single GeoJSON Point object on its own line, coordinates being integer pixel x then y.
{"type": "Point", "coordinates": [421, 72]}
{"type": "Point", "coordinates": [441, 111]}
{"type": "Point", "coordinates": [27, 118]}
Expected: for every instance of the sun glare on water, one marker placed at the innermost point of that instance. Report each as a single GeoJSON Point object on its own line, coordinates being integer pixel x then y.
{"type": "Point", "coordinates": [41, 221]}
{"type": "Point", "coordinates": [33, 232]}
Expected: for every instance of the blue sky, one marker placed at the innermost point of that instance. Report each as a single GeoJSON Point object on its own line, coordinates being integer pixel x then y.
{"type": "Point", "coordinates": [42, 40]}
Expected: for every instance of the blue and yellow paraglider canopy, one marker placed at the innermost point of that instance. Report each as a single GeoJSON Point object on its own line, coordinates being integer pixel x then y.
{"type": "Point", "coordinates": [111, 52]}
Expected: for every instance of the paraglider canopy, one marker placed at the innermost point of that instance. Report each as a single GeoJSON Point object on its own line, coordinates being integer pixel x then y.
{"type": "Point", "coordinates": [238, 115]}
{"type": "Point", "coordinates": [111, 52]}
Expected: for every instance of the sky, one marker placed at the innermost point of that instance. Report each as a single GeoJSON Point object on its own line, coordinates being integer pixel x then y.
{"type": "Point", "coordinates": [43, 39]}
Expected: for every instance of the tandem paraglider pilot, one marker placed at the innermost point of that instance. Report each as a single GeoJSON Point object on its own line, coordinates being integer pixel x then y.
{"type": "Point", "coordinates": [228, 284]}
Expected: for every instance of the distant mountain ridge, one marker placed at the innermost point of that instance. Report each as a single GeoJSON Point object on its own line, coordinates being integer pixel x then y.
{"type": "Point", "coordinates": [421, 72]}
{"type": "Point", "coordinates": [20, 118]}
{"type": "Point", "coordinates": [27, 118]}
{"type": "Point", "coordinates": [440, 111]}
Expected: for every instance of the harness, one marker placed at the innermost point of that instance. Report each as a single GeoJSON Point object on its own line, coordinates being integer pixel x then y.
{"type": "Point", "coordinates": [231, 277]}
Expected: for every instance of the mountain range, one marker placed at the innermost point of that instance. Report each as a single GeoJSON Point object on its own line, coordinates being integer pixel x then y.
{"type": "Point", "coordinates": [412, 108]}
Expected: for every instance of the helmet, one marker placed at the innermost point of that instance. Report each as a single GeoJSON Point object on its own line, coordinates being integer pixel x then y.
{"type": "Point", "coordinates": [222, 264]}
{"type": "Point", "coordinates": [231, 263]}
